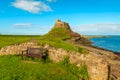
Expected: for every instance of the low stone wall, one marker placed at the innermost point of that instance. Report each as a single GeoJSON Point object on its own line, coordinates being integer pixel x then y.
{"type": "Point", "coordinates": [17, 48]}
{"type": "Point", "coordinates": [97, 68]}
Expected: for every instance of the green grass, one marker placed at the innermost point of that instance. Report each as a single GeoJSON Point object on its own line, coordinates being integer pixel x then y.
{"type": "Point", "coordinates": [56, 38]}
{"type": "Point", "coordinates": [80, 72]}
{"type": "Point", "coordinates": [12, 68]}
{"type": "Point", "coordinates": [6, 40]}
{"type": "Point", "coordinates": [59, 33]}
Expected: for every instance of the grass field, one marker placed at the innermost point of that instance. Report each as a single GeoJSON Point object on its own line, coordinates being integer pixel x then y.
{"type": "Point", "coordinates": [12, 68]}
{"type": "Point", "coordinates": [6, 40]}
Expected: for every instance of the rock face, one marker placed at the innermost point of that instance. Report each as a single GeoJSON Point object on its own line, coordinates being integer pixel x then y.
{"type": "Point", "coordinates": [66, 26]}
{"type": "Point", "coordinates": [75, 37]}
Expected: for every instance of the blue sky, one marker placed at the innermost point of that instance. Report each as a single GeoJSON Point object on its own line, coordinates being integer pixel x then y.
{"type": "Point", "coordinates": [88, 17]}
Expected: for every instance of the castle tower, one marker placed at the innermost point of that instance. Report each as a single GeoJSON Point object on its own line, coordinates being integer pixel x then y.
{"type": "Point", "coordinates": [57, 21]}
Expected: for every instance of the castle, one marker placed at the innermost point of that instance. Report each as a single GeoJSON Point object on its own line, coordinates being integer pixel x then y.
{"type": "Point", "coordinates": [60, 24]}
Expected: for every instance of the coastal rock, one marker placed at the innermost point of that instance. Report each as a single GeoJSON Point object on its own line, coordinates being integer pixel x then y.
{"type": "Point", "coordinates": [75, 37]}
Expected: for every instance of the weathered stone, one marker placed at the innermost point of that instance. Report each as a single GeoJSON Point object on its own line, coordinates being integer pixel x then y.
{"type": "Point", "coordinates": [17, 48]}
{"type": "Point", "coordinates": [97, 67]}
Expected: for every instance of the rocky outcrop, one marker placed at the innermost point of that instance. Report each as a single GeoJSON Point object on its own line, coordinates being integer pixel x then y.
{"type": "Point", "coordinates": [66, 26]}
{"type": "Point", "coordinates": [60, 24]}
{"type": "Point", "coordinates": [75, 37]}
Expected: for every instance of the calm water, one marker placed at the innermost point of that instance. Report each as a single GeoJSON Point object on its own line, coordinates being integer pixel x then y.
{"type": "Point", "coordinates": [110, 43]}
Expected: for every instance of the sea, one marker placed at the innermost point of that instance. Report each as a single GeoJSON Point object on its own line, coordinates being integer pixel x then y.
{"type": "Point", "coordinates": [110, 43]}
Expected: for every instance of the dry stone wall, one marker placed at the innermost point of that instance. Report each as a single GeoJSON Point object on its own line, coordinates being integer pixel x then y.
{"type": "Point", "coordinates": [17, 48]}
{"type": "Point", "coordinates": [97, 68]}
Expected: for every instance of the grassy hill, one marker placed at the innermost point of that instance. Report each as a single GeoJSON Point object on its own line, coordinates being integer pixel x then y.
{"type": "Point", "coordinates": [56, 38]}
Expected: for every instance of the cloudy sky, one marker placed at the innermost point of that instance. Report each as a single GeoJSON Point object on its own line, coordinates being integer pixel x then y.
{"type": "Point", "coordinates": [88, 17]}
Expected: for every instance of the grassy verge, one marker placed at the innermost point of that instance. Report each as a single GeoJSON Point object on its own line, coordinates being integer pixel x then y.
{"type": "Point", "coordinates": [12, 68]}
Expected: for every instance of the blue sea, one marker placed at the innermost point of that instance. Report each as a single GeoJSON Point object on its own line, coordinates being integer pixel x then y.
{"type": "Point", "coordinates": [110, 43]}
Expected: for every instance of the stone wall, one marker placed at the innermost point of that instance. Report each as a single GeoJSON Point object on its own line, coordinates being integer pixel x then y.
{"type": "Point", "coordinates": [17, 48]}
{"type": "Point", "coordinates": [97, 68]}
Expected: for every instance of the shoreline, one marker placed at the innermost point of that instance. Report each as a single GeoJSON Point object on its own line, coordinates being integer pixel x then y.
{"type": "Point", "coordinates": [97, 47]}
{"type": "Point", "coordinates": [100, 36]}
{"type": "Point", "coordinates": [95, 36]}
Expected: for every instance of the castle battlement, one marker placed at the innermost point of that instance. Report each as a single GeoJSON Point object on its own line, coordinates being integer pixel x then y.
{"type": "Point", "coordinates": [60, 22]}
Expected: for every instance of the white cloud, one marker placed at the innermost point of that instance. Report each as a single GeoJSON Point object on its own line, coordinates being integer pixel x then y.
{"type": "Point", "coordinates": [98, 29]}
{"type": "Point", "coordinates": [51, 0]}
{"type": "Point", "coordinates": [31, 6]}
{"type": "Point", "coordinates": [23, 25]}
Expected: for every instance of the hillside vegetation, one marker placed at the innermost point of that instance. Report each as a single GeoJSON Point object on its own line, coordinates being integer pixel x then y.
{"type": "Point", "coordinates": [56, 38]}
